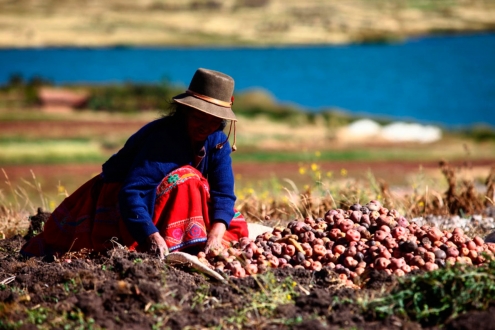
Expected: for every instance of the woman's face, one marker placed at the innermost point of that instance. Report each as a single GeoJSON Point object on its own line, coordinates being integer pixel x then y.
{"type": "Point", "coordinates": [200, 124]}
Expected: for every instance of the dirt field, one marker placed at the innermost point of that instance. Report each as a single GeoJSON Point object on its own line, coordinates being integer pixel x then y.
{"type": "Point", "coordinates": [122, 290]}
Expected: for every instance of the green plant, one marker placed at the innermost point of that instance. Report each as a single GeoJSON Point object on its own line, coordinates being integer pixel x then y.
{"type": "Point", "coordinates": [435, 297]}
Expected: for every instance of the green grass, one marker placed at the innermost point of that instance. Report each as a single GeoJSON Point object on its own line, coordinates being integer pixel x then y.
{"type": "Point", "coordinates": [351, 154]}
{"type": "Point", "coordinates": [50, 152]}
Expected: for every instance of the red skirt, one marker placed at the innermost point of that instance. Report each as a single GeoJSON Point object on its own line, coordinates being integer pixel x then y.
{"type": "Point", "coordinates": [90, 218]}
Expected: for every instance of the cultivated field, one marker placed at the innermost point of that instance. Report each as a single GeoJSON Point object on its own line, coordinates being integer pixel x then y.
{"type": "Point", "coordinates": [383, 266]}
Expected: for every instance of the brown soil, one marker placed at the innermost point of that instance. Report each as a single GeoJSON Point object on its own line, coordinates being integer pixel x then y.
{"type": "Point", "coordinates": [129, 290]}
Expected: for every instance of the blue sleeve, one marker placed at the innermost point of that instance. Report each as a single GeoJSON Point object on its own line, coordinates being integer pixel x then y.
{"type": "Point", "coordinates": [221, 181]}
{"type": "Point", "coordinates": [137, 198]}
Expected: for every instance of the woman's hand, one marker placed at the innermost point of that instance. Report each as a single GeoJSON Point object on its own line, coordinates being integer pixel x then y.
{"type": "Point", "coordinates": [215, 236]}
{"type": "Point", "coordinates": [157, 245]}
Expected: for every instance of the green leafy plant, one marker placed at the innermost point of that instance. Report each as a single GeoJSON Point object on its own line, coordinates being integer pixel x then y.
{"type": "Point", "coordinates": [435, 297]}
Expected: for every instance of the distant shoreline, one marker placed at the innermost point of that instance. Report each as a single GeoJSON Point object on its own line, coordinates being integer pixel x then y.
{"type": "Point", "coordinates": [240, 23]}
{"type": "Point", "coordinates": [468, 33]}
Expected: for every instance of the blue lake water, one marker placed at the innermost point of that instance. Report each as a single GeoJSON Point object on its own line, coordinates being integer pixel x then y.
{"type": "Point", "coordinates": [446, 80]}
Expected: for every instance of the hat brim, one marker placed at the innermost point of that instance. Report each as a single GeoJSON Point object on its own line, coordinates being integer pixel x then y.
{"type": "Point", "coordinates": [204, 106]}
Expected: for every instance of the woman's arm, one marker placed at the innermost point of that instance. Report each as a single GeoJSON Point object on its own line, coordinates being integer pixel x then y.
{"type": "Point", "coordinates": [221, 181]}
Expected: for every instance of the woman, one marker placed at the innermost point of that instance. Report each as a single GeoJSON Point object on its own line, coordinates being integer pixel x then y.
{"type": "Point", "coordinates": [171, 187]}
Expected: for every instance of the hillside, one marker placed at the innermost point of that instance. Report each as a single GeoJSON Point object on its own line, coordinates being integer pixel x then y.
{"type": "Point", "coordinates": [36, 23]}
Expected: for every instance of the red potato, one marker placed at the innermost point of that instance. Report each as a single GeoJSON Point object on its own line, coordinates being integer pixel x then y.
{"type": "Point", "coordinates": [402, 222]}
{"type": "Point", "coordinates": [274, 261]}
{"type": "Point", "coordinates": [412, 228]}
{"type": "Point", "coordinates": [390, 242]}
{"type": "Point", "coordinates": [248, 253]}
{"type": "Point", "coordinates": [393, 213]}
{"type": "Point", "coordinates": [429, 256]}
{"type": "Point", "coordinates": [318, 241]}
{"type": "Point", "coordinates": [464, 251]}
{"type": "Point", "coordinates": [478, 241]}
{"type": "Point", "coordinates": [464, 260]}
{"type": "Point", "coordinates": [306, 264]}
{"type": "Point", "coordinates": [491, 247]}
{"type": "Point", "coordinates": [262, 267]}
{"type": "Point", "coordinates": [365, 219]}
{"type": "Point", "coordinates": [238, 272]}
{"type": "Point", "coordinates": [452, 252]}
{"type": "Point", "coordinates": [355, 216]}
{"type": "Point", "coordinates": [308, 237]}
{"type": "Point", "coordinates": [471, 245]}
{"type": "Point", "coordinates": [277, 249]}
{"type": "Point", "coordinates": [338, 249]}
{"type": "Point", "coordinates": [334, 233]}
{"type": "Point", "coordinates": [321, 226]}
{"type": "Point", "coordinates": [338, 219]}
{"type": "Point", "coordinates": [480, 260]}
{"type": "Point", "coordinates": [383, 210]}
{"type": "Point", "coordinates": [346, 225]}
{"type": "Point", "coordinates": [406, 268]}
{"type": "Point", "coordinates": [351, 251]}
{"type": "Point", "coordinates": [308, 250]}
{"type": "Point", "coordinates": [383, 220]}
{"type": "Point", "coordinates": [438, 244]}
{"type": "Point", "coordinates": [397, 263]}
{"type": "Point", "coordinates": [319, 250]}
{"type": "Point", "coordinates": [374, 215]}
{"type": "Point", "coordinates": [434, 234]}
{"type": "Point", "coordinates": [353, 235]}
{"type": "Point", "coordinates": [450, 261]}
{"type": "Point", "coordinates": [421, 250]}
{"type": "Point", "coordinates": [359, 271]}
{"type": "Point", "coordinates": [350, 262]}
{"type": "Point", "coordinates": [384, 253]}
{"type": "Point", "coordinates": [316, 266]}
{"type": "Point", "coordinates": [289, 250]}
{"type": "Point", "coordinates": [430, 266]}
{"type": "Point", "coordinates": [399, 272]}
{"type": "Point", "coordinates": [458, 239]}
{"type": "Point", "coordinates": [382, 263]}
{"type": "Point", "coordinates": [420, 233]}
{"type": "Point", "coordinates": [309, 221]}
{"type": "Point", "coordinates": [386, 228]}
{"type": "Point", "coordinates": [251, 269]}
{"type": "Point", "coordinates": [380, 235]}
{"type": "Point", "coordinates": [408, 257]}
{"type": "Point", "coordinates": [399, 232]}
{"type": "Point", "coordinates": [418, 261]}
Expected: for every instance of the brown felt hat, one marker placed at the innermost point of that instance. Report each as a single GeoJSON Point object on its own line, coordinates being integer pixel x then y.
{"type": "Point", "coordinates": [211, 92]}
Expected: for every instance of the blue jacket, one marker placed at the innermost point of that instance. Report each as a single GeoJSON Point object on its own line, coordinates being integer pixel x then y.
{"type": "Point", "coordinates": [154, 151]}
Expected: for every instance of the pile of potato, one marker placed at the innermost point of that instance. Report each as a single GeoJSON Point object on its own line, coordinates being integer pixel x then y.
{"type": "Point", "coordinates": [350, 242]}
